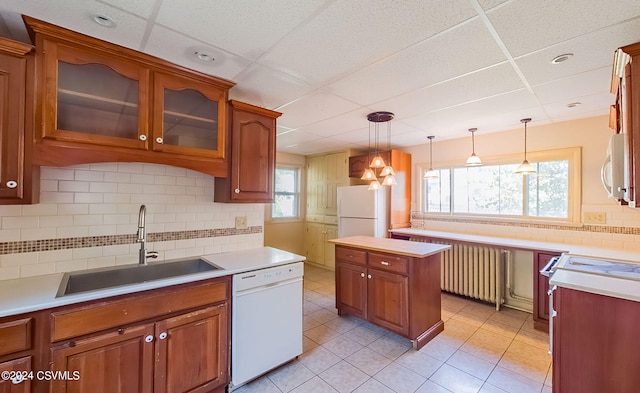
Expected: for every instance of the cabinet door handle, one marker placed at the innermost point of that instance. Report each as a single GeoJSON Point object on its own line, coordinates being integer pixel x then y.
{"type": "Point", "coordinates": [162, 335]}
{"type": "Point", "coordinates": [148, 339]}
{"type": "Point", "coordinates": [552, 314]}
{"type": "Point", "coordinates": [12, 184]}
{"type": "Point", "coordinates": [385, 263]}
{"type": "Point", "coordinates": [362, 275]}
{"type": "Point", "coordinates": [369, 276]}
{"type": "Point", "coordinates": [159, 140]}
{"type": "Point", "coordinates": [143, 137]}
{"type": "Point", "coordinates": [18, 379]}
{"type": "Point", "coordinates": [237, 191]}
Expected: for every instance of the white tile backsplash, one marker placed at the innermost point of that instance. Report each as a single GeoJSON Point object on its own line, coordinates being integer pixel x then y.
{"type": "Point", "coordinates": [103, 199]}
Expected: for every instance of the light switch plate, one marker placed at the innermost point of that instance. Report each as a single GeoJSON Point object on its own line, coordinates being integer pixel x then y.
{"type": "Point", "coordinates": [241, 222]}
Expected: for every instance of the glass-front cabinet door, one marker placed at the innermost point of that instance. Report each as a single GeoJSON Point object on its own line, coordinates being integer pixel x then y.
{"type": "Point", "coordinates": [95, 99]}
{"type": "Point", "coordinates": [188, 117]}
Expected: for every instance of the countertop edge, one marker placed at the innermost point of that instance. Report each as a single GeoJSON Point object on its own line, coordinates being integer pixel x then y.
{"type": "Point", "coordinates": [355, 242]}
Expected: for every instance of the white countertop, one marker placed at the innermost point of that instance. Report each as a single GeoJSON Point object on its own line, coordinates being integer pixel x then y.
{"type": "Point", "coordinates": [601, 284]}
{"type": "Point", "coordinates": [393, 246]}
{"type": "Point", "coordinates": [29, 294]}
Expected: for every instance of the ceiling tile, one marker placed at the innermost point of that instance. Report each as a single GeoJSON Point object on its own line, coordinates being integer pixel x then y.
{"type": "Point", "coordinates": [489, 4]}
{"type": "Point", "coordinates": [179, 49]}
{"type": "Point", "coordinates": [142, 8]}
{"type": "Point", "coordinates": [488, 82]}
{"type": "Point", "coordinates": [457, 51]}
{"type": "Point", "coordinates": [295, 137]}
{"type": "Point", "coordinates": [525, 26]}
{"type": "Point", "coordinates": [267, 87]}
{"type": "Point", "coordinates": [570, 88]}
{"type": "Point", "coordinates": [312, 108]}
{"type": "Point", "coordinates": [244, 27]}
{"type": "Point", "coordinates": [588, 104]}
{"type": "Point", "coordinates": [349, 35]}
{"type": "Point", "coordinates": [78, 15]}
{"type": "Point", "coordinates": [591, 51]}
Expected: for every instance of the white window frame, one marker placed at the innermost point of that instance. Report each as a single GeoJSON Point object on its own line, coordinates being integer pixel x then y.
{"type": "Point", "coordinates": [572, 154]}
{"type": "Point", "coordinates": [297, 194]}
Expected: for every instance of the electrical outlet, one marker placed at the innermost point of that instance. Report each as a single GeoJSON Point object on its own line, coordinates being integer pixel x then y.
{"type": "Point", "coordinates": [241, 222]}
{"type": "Point", "coordinates": [595, 218]}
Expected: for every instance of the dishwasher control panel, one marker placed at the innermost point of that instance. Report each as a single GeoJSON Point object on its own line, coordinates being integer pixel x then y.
{"type": "Point", "coordinates": [268, 276]}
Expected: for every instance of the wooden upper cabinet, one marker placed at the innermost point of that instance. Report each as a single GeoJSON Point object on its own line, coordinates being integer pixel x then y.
{"type": "Point", "coordinates": [100, 102]}
{"type": "Point", "coordinates": [92, 98]}
{"type": "Point", "coordinates": [252, 158]}
{"type": "Point", "coordinates": [187, 117]}
{"type": "Point", "coordinates": [16, 175]}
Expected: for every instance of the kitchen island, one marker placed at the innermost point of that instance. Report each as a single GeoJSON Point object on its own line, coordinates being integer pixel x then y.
{"type": "Point", "coordinates": [391, 283]}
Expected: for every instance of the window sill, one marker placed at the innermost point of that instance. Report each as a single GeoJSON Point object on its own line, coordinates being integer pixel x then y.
{"type": "Point", "coordinates": [492, 220]}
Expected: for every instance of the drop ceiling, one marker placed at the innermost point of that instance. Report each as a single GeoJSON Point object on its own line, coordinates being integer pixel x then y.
{"type": "Point", "coordinates": [442, 66]}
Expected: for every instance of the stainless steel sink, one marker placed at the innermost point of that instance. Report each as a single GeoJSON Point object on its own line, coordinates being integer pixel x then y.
{"type": "Point", "coordinates": [91, 280]}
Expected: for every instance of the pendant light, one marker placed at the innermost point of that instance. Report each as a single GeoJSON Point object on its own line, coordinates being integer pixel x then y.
{"type": "Point", "coordinates": [525, 168]}
{"type": "Point", "coordinates": [430, 173]}
{"type": "Point", "coordinates": [377, 162]}
{"type": "Point", "coordinates": [473, 160]}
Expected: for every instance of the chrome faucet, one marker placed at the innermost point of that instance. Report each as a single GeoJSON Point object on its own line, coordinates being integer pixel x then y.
{"type": "Point", "coordinates": [143, 254]}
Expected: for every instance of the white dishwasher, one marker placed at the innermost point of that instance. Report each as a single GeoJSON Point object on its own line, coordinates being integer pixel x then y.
{"type": "Point", "coordinates": [266, 321]}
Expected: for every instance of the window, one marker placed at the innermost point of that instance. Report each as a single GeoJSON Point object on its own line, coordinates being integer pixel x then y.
{"type": "Point", "coordinates": [553, 192]}
{"type": "Point", "coordinates": [287, 194]}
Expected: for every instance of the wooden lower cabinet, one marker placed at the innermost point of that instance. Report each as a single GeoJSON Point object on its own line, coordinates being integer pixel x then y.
{"type": "Point", "coordinates": [119, 362]}
{"type": "Point", "coordinates": [398, 293]}
{"type": "Point", "coordinates": [193, 355]}
{"type": "Point", "coordinates": [352, 287]}
{"type": "Point", "coordinates": [16, 368]}
{"type": "Point", "coordinates": [595, 343]}
{"type": "Point", "coordinates": [176, 340]}
{"type": "Point", "coordinates": [388, 300]}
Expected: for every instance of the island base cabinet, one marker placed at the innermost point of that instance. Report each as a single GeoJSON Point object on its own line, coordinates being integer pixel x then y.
{"type": "Point", "coordinates": [16, 365]}
{"type": "Point", "coordinates": [351, 290]}
{"type": "Point", "coordinates": [595, 343]}
{"type": "Point", "coordinates": [388, 302]}
{"type": "Point", "coordinates": [396, 292]}
{"type": "Point", "coordinates": [114, 362]}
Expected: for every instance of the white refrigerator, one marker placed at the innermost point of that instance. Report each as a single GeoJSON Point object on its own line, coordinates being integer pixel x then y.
{"type": "Point", "coordinates": [363, 212]}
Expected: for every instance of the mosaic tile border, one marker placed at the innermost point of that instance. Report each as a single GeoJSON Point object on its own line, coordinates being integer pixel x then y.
{"type": "Point", "coordinates": [582, 228]}
{"type": "Point", "coordinates": [114, 240]}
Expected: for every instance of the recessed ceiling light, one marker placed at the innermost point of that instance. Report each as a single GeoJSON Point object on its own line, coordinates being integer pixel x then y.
{"type": "Point", "coordinates": [573, 104]}
{"type": "Point", "coordinates": [561, 58]}
{"type": "Point", "coordinates": [104, 20]}
{"type": "Point", "coordinates": [204, 56]}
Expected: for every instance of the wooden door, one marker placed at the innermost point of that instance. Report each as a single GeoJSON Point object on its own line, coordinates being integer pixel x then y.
{"type": "Point", "coordinates": [330, 233]}
{"type": "Point", "coordinates": [388, 301]}
{"type": "Point", "coordinates": [114, 362]}
{"type": "Point", "coordinates": [314, 242]}
{"type": "Point", "coordinates": [18, 370]}
{"type": "Point", "coordinates": [192, 351]}
{"type": "Point", "coordinates": [13, 167]}
{"type": "Point", "coordinates": [316, 185]}
{"type": "Point", "coordinates": [540, 289]}
{"type": "Point", "coordinates": [595, 343]}
{"type": "Point", "coordinates": [351, 289]}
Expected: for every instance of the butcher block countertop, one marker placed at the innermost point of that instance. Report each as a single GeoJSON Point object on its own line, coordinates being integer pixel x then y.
{"type": "Point", "coordinates": [392, 246]}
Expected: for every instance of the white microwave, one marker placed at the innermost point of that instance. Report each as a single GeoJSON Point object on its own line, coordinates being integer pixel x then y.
{"type": "Point", "coordinates": [614, 168]}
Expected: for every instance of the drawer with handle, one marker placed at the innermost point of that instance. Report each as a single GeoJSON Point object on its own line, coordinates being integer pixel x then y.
{"type": "Point", "coordinates": [388, 262]}
{"type": "Point", "coordinates": [351, 255]}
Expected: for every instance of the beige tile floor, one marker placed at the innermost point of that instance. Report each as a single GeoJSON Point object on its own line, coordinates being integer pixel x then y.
{"type": "Point", "coordinates": [480, 350]}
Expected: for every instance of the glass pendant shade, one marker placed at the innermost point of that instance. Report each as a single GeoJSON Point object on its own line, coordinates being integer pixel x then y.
{"type": "Point", "coordinates": [387, 170]}
{"type": "Point", "coordinates": [389, 180]}
{"type": "Point", "coordinates": [430, 174]}
{"type": "Point", "coordinates": [368, 174]}
{"type": "Point", "coordinates": [525, 168]}
{"type": "Point", "coordinates": [374, 185]}
{"type": "Point", "coordinates": [473, 160]}
{"type": "Point", "coordinates": [377, 162]}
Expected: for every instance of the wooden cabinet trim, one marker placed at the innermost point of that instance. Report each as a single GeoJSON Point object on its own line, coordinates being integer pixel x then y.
{"type": "Point", "coordinates": [93, 318]}
{"type": "Point", "coordinates": [15, 336]}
